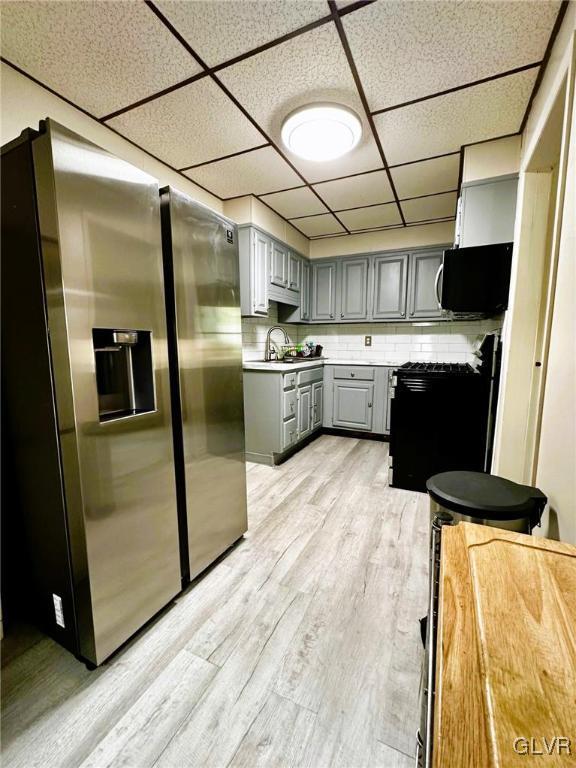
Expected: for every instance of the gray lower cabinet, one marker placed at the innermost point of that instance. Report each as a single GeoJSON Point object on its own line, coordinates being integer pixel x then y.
{"type": "Point", "coordinates": [317, 404]}
{"type": "Point", "coordinates": [354, 275]}
{"type": "Point", "coordinates": [281, 410]}
{"type": "Point", "coordinates": [356, 398]}
{"type": "Point", "coordinates": [304, 411]}
{"type": "Point", "coordinates": [423, 299]}
{"type": "Point", "coordinates": [353, 403]}
{"type": "Point", "coordinates": [388, 400]}
{"type": "Point", "coordinates": [323, 296]}
{"type": "Point", "coordinates": [390, 286]}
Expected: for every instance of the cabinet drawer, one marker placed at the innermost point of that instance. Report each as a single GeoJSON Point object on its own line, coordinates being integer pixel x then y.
{"type": "Point", "coordinates": [310, 375]}
{"type": "Point", "coordinates": [289, 433]}
{"type": "Point", "coordinates": [289, 407]}
{"type": "Point", "coordinates": [289, 380]}
{"type": "Point", "coordinates": [358, 372]}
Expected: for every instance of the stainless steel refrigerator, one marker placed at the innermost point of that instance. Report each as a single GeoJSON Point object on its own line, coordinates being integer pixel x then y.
{"type": "Point", "coordinates": [86, 392]}
{"type": "Point", "coordinates": [201, 273]}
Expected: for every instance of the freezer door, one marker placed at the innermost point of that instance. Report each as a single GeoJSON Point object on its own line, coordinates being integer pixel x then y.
{"type": "Point", "coordinates": [101, 248]}
{"type": "Point", "coordinates": [201, 255]}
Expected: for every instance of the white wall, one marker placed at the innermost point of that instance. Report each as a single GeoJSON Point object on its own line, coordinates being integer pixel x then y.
{"type": "Point", "coordinates": [555, 445]}
{"type": "Point", "coordinates": [400, 343]}
{"type": "Point", "coordinates": [23, 104]}
{"type": "Point", "coordinates": [491, 159]}
{"type": "Point", "coordinates": [441, 233]}
{"type": "Point", "coordinates": [249, 210]}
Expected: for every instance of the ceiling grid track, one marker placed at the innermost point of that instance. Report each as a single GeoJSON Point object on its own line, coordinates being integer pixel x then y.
{"type": "Point", "coordinates": [239, 106]}
{"type": "Point", "coordinates": [334, 16]}
{"type": "Point", "coordinates": [364, 100]}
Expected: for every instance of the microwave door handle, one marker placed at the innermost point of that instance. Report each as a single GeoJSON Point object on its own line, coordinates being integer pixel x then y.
{"type": "Point", "coordinates": [437, 285]}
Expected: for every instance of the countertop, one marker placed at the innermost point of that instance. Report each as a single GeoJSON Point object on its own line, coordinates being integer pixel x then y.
{"type": "Point", "coordinates": [506, 665]}
{"type": "Point", "coordinates": [260, 365]}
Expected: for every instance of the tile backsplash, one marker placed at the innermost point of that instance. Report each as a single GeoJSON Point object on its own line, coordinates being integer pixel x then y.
{"type": "Point", "coordinates": [441, 342]}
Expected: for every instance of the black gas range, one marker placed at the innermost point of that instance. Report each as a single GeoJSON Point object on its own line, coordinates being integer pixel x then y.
{"type": "Point", "coordinates": [442, 418]}
{"type": "Point", "coordinates": [436, 368]}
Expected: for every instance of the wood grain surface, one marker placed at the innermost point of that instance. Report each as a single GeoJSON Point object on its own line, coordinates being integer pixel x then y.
{"type": "Point", "coordinates": [506, 673]}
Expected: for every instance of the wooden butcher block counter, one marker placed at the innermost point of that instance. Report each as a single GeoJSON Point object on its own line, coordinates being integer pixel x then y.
{"type": "Point", "coordinates": [506, 659]}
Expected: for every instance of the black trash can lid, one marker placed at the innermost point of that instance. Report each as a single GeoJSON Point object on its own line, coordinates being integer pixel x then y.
{"type": "Point", "coordinates": [477, 494]}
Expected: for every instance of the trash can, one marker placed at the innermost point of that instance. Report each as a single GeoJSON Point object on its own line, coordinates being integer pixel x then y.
{"type": "Point", "coordinates": [475, 497]}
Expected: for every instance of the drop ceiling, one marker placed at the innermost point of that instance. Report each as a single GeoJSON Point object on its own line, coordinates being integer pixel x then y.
{"type": "Point", "coordinates": [204, 87]}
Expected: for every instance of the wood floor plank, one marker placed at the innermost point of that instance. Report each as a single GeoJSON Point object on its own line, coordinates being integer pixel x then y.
{"type": "Point", "coordinates": [217, 726]}
{"type": "Point", "coordinates": [277, 737]}
{"type": "Point", "coordinates": [142, 734]}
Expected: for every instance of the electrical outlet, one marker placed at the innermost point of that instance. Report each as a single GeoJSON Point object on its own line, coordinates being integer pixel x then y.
{"type": "Point", "coordinates": [367, 341]}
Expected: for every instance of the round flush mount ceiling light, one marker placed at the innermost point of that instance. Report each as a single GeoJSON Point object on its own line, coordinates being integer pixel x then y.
{"type": "Point", "coordinates": [321, 132]}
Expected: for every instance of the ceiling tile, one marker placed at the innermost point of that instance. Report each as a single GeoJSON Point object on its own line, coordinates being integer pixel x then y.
{"type": "Point", "coordinates": [445, 123]}
{"type": "Point", "coordinates": [219, 33]}
{"type": "Point", "coordinates": [255, 173]}
{"type": "Point", "coordinates": [314, 226]}
{"type": "Point", "coordinates": [309, 68]}
{"type": "Point", "coordinates": [358, 190]}
{"type": "Point", "coordinates": [190, 125]}
{"type": "Point", "coordinates": [438, 175]}
{"type": "Point", "coordinates": [101, 56]}
{"type": "Point", "coordinates": [295, 202]}
{"type": "Point", "coordinates": [406, 50]}
{"type": "Point", "coordinates": [433, 207]}
{"type": "Point", "coordinates": [375, 216]}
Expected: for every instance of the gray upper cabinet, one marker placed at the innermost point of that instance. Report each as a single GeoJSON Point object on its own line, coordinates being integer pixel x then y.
{"type": "Point", "coordinates": [278, 265]}
{"type": "Point", "coordinates": [390, 287]}
{"type": "Point", "coordinates": [305, 290]}
{"type": "Point", "coordinates": [354, 288]}
{"type": "Point", "coordinates": [487, 212]}
{"type": "Point", "coordinates": [324, 291]}
{"type": "Point", "coordinates": [352, 403]}
{"type": "Point", "coordinates": [254, 252]}
{"type": "Point", "coordinates": [293, 272]}
{"type": "Point", "coordinates": [424, 267]}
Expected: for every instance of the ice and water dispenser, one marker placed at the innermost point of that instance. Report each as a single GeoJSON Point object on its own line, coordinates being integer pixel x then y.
{"type": "Point", "coordinates": [124, 372]}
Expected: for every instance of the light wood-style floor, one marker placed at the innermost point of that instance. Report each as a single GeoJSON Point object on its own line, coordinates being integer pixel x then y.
{"type": "Point", "coordinates": [300, 648]}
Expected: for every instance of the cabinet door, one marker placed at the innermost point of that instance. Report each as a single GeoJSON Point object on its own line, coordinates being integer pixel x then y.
{"type": "Point", "coordinates": [488, 212]}
{"type": "Point", "coordinates": [293, 272]}
{"type": "Point", "coordinates": [390, 286]}
{"type": "Point", "coordinates": [259, 273]}
{"type": "Point", "coordinates": [305, 291]}
{"type": "Point", "coordinates": [289, 433]}
{"type": "Point", "coordinates": [388, 400]}
{"type": "Point", "coordinates": [323, 290]}
{"type": "Point", "coordinates": [353, 404]}
{"type": "Point", "coordinates": [278, 265]}
{"type": "Point", "coordinates": [317, 404]}
{"type": "Point", "coordinates": [423, 270]}
{"type": "Point", "coordinates": [354, 289]}
{"type": "Point", "coordinates": [304, 411]}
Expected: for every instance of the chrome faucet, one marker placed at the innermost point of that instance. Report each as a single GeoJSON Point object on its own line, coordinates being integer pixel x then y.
{"type": "Point", "coordinates": [268, 352]}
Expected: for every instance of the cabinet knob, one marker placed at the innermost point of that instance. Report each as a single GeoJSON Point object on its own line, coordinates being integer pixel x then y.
{"type": "Point", "coordinates": [352, 375]}
{"type": "Point", "coordinates": [331, 317]}
{"type": "Point", "coordinates": [341, 314]}
{"type": "Point", "coordinates": [369, 405]}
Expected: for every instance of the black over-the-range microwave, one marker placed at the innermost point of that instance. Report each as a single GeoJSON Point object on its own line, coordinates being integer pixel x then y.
{"type": "Point", "coordinates": [476, 279]}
